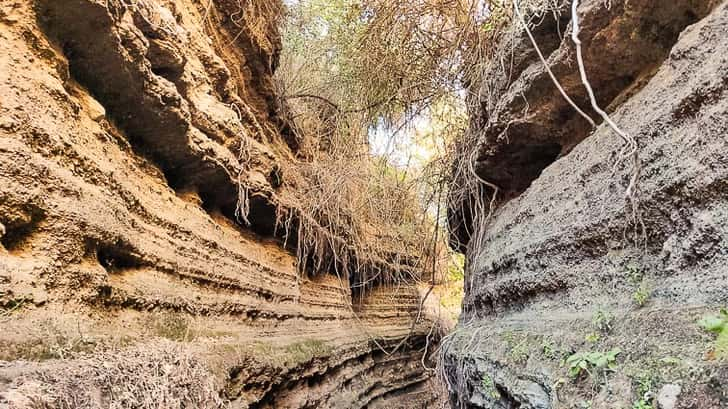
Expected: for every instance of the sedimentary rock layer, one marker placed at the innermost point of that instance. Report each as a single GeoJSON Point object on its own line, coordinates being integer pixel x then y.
{"type": "Point", "coordinates": [563, 245]}
{"type": "Point", "coordinates": [126, 130]}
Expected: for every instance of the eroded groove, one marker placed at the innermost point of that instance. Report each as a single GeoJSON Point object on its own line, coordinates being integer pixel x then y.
{"type": "Point", "coordinates": [133, 69]}
{"type": "Point", "coordinates": [324, 381]}
{"type": "Point", "coordinates": [132, 72]}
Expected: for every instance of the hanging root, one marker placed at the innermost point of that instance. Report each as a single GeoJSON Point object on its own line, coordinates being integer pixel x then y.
{"type": "Point", "coordinates": [242, 208]}
{"type": "Point", "coordinates": [630, 148]}
{"type": "Point", "coordinates": [568, 99]}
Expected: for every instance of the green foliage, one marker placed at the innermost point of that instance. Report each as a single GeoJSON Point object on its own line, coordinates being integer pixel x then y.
{"type": "Point", "coordinates": [721, 345]}
{"type": "Point", "coordinates": [559, 383]}
{"type": "Point", "coordinates": [581, 362]}
{"type": "Point", "coordinates": [347, 77]}
{"type": "Point", "coordinates": [518, 348]}
{"type": "Point", "coordinates": [642, 404]}
{"type": "Point", "coordinates": [592, 338]}
{"type": "Point", "coordinates": [642, 292]}
{"type": "Point", "coordinates": [489, 387]}
{"type": "Point", "coordinates": [645, 385]}
{"type": "Point", "coordinates": [548, 348]}
{"type": "Point", "coordinates": [602, 320]}
{"type": "Point", "coordinates": [456, 267]}
{"type": "Point", "coordinates": [715, 323]}
{"type": "Point", "coordinates": [499, 12]}
{"type": "Point", "coordinates": [641, 295]}
{"type": "Point", "coordinates": [519, 353]}
{"type": "Point", "coordinates": [635, 274]}
{"type": "Point", "coordinates": [718, 324]}
{"type": "Point", "coordinates": [451, 290]}
{"type": "Point", "coordinates": [383, 58]}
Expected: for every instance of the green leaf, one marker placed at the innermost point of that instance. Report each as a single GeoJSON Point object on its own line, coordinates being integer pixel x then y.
{"type": "Point", "coordinates": [576, 357]}
{"type": "Point", "coordinates": [713, 323]}
{"type": "Point", "coordinates": [670, 360]}
{"type": "Point", "coordinates": [613, 353]}
{"type": "Point", "coordinates": [721, 345]}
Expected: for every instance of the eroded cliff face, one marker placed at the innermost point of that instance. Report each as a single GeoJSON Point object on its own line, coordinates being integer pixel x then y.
{"type": "Point", "coordinates": [563, 266]}
{"type": "Point", "coordinates": [127, 275]}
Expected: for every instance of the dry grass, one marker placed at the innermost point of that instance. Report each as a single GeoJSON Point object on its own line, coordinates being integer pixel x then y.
{"type": "Point", "coordinates": [160, 375]}
{"type": "Point", "coordinates": [357, 220]}
{"type": "Point", "coordinates": [393, 62]}
{"type": "Point", "coordinates": [370, 222]}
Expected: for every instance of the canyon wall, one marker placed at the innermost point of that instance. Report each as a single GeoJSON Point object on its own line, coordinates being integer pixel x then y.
{"type": "Point", "coordinates": [575, 296]}
{"type": "Point", "coordinates": [129, 276]}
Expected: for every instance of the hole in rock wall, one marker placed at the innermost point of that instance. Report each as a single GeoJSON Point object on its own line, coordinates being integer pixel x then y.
{"type": "Point", "coordinates": [116, 258]}
{"type": "Point", "coordinates": [19, 232]}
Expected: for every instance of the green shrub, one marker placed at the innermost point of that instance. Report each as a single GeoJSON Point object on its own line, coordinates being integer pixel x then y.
{"type": "Point", "coordinates": [642, 295]}
{"type": "Point", "coordinates": [489, 387]}
{"type": "Point", "coordinates": [602, 320]}
{"type": "Point", "coordinates": [518, 348]}
{"type": "Point", "coordinates": [718, 324]}
{"type": "Point", "coordinates": [642, 404]}
{"type": "Point", "coordinates": [548, 348]}
{"type": "Point", "coordinates": [581, 362]}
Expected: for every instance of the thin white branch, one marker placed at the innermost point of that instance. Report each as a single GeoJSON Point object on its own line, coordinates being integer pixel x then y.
{"type": "Point", "coordinates": [545, 64]}
{"type": "Point", "coordinates": [628, 139]}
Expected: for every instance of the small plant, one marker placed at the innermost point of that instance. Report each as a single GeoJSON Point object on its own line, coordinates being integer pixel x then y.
{"type": "Point", "coordinates": [559, 383]}
{"type": "Point", "coordinates": [489, 387]}
{"type": "Point", "coordinates": [517, 346]}
{"type": "Point", "coordinates": [581, 362]}
{"type": "Point", "coordinates": [636, 275]}
{"type": "Point", "coordinates": [645, 384]}
{"type": "Point", "coordinates": [592, 338]}
{"type": "Point", "coordinates": [642, 404]}
{"type": "Point", "coordinates": [641, 295]}
{"type": "Point", "coordinates": [519, 353]}
{"type": "Point", "coordinates": [636, 278]}
{"type": "Point", "coordinates": [602, 320]}
{"type": "Point", "coordinates": [548, 348]}
{"type": "Point", "coordinates": [642, 292]}
{"type": "Point", "coordinates": [718, 324]}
